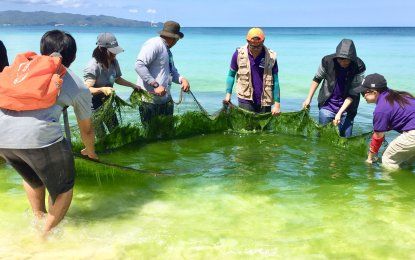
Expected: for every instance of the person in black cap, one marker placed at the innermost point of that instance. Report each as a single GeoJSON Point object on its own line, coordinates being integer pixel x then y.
{"type": "Point", "coordinates": [395, 110]}
{"type": "Point", "coordinates": [102, 72]}
{"type": "Point", "coordinates": [156, 71]}
{"type": "Point", "coordinates": [340, 73]}
{"type": "Point", "coordinates": [3, 57]}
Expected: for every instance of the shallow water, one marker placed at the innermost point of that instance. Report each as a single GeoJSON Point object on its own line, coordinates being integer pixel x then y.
{"type": "Point", "coordinates": [230, 195]}
{"type": "Point", "coordinates": [225, 195]}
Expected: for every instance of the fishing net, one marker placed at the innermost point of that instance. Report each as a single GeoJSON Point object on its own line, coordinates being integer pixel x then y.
{"type": "Point", "coordinates": [117, 123]}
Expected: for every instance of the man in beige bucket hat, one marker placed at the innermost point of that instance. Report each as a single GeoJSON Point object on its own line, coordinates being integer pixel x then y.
{"type": "Point", "coordinates": [156, 71]}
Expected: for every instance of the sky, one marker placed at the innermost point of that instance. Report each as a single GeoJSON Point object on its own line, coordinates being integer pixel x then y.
{"type": "Point", "coordinates": [231, 13]}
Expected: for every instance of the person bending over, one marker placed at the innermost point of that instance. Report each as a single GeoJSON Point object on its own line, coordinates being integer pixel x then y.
{"type": "Point", "coordinates": [395, 110]}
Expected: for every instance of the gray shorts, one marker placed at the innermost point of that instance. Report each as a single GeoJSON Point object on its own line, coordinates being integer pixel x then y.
{"type": "Point", "coordinates": [52, 166]}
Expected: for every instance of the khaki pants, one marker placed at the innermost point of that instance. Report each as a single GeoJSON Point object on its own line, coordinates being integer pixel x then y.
{"type": "Point", "coordinates": [400, 150]}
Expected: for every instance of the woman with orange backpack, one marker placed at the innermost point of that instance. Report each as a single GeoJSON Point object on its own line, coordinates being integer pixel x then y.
{"type": "Point", "coordinates": [102, 72]}
{"type": "Point", "coordinates": [31, 138]}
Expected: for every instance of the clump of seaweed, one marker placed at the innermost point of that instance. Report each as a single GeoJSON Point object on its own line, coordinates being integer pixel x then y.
{"type": "Point", "coordinates": [128, 128]}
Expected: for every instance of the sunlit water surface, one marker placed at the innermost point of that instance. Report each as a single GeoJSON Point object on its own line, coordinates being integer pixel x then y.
{"type": "Point", "coordinates": [225, 195]}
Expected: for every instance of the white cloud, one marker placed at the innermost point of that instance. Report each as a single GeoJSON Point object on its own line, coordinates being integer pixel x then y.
{"type": "Point", "coordinates": [69, 3]}
{"type": "Point", "coordinates": [134, 11]}
{"type": "Point", "coordinates": [151, 11]}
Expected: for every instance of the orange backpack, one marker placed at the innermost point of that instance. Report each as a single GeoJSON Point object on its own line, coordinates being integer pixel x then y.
{"type": "Point", "coordinates": [32, 82]}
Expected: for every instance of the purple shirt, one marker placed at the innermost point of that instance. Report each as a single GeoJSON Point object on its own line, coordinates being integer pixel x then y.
{"type": "Point", "coordinates": [257, 74]}
{"type": "Point", "coordinates": [387, 117]}
{"type": "Point", "coordinates": [337, 98]}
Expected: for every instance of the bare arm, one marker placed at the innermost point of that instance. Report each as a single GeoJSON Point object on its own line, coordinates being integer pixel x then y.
{"type": "Point", "coordinates": [88, 137]}
{"type": "Point", "coordinates": [313, 88]}
{"type": "Point", "coordinates": [318, 77]}
{"type": "Point", "coordinates": [343, 108]}
{"type": "Point", "coordinates": [123, 82]}
{"type": "Point", "coordinates": [90, 83]}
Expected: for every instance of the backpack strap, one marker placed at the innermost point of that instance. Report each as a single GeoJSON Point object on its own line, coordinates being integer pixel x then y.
{"type": "Point", "coordinates": [61, 69]}
{"type": "Point", "coordinates": [66, 125]}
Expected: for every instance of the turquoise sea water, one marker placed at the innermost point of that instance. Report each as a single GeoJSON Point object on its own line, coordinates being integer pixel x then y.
{"type": "Point", "coordinates": [231, 195]}
{"type": "Point", "coordinates": [204, 53]}
{"type": "Point", "coordinates": [203, 56]}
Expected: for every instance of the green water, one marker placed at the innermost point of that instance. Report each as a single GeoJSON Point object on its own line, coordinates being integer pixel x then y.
{"type": "Point", "coordinates": [230, 195]}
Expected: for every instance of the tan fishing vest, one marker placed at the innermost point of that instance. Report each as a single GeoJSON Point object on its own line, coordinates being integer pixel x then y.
{"type": "Point", "coordinates": [244, 79]}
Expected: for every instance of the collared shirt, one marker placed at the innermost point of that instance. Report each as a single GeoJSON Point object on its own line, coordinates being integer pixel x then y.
{"type": "Point", "coordinates": [155, 63]}
{"type": "Point", "coordinates": [257, 74]}
{"type": "Point", "coordinates": [388, 117]}
{"type": "Point", "coordinates": [41, 128]}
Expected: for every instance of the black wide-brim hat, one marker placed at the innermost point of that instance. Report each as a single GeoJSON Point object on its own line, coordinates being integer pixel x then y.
{"type": "Point", "coordinates": [171, 29]}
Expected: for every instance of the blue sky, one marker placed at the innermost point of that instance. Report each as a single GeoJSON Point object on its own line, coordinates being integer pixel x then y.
{"type": "Point", "coordinates": [237, 13]}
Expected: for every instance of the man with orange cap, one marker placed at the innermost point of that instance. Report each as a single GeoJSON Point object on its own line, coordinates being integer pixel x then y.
{"type": "Point", "coordinates": [256, 71]}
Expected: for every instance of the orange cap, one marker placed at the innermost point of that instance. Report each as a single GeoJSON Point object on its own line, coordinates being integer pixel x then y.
{"type": "Point", "coordinates": [255, 32]}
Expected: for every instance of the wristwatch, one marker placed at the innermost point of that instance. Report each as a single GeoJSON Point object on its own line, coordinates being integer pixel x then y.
{"type": "Point", "coordinates": [155, 84]}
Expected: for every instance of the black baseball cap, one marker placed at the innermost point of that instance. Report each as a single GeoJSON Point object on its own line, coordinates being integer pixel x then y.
{"type": "Point", "coordinates": [372, 82]}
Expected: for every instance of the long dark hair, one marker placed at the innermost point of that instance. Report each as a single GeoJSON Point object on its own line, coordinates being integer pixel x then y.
{"type": "Point", "coordinates": [3, 57]}
{"type": "Point", "coordinates": [401, 97]}
{"type": "Point", "coordinates": [101, 55]}
{"type": "Point", "coordinates": [61, 42]}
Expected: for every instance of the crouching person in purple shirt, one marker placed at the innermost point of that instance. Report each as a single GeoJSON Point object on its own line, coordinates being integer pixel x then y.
{"type": "Point", "coordinates": [32, 142]}
{"type": "Point", "coordinates": [395, 110]}
{"type": "Point", "coordinates": [256, 70]}
{"type": "Point", "coordinates": [340, 73]}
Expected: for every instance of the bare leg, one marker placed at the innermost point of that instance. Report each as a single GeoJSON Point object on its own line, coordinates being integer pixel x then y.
{"type": "Point", "coordinates": [50, 204]}
{"type": "Point", "coordinates": [36, 198]}
{"type": "Point", "coordinates": [57, 211]}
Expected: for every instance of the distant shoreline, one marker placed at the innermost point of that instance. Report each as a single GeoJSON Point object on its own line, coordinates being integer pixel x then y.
{"type": "Point", "coordinates": [43, 18]}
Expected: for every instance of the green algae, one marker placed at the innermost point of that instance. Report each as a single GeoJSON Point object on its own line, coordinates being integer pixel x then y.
{"type": "Point", "coordinates": [198, 122]}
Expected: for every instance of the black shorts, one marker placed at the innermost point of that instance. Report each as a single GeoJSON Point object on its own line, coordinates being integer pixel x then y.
{"type": "Point", "coordinates": [52, 166]}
